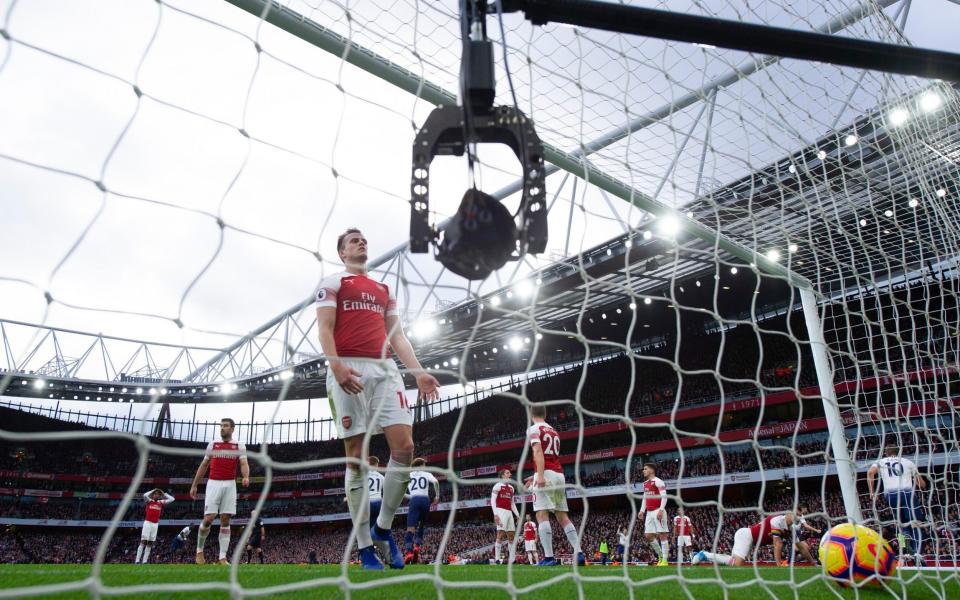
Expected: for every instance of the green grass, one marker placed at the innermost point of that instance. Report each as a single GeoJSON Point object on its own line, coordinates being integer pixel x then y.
{"type": "Point", "coordinates": [474, 582]}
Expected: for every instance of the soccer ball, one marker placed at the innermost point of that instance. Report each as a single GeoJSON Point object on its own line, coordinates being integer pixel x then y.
{"type": "Point", "coordinates": [854, 553]}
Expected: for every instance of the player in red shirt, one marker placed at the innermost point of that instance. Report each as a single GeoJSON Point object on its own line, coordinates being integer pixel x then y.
{"type": "Point", "coordinates": [220, 495]}
{"type": "Point", "coordinates": [682, 532]}
{"type": "Point", "coordinates": [530, 540]}
{"type": "Point", "coordinates": [549, 484]}
{"type": "Point", "coordinates": [771, 530]}
{"type": "Point", "coordinates": [358, 325]}
{"type": "Point", "coordinates": [654, 506]}
{"type": "Point", "coordinates": [504, 515]}
{"type": "Point", "coordinates": [155, 499]}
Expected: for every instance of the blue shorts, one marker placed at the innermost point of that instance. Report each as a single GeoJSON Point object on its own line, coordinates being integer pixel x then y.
{"type": "Point", "coordinates": [177, 544]}
{"type": "Point", "coordinates": [619, 548]}
{"type": "Point", "coordinates": [904, 505]}
{"type": "Point", "coordinates": [417, 511]}
{"type": "Point", "coordinates": [374, 510]}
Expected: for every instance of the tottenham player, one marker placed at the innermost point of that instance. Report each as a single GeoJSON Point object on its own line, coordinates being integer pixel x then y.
{"type": "Point", "coordinates": [623, 551]}
{"type": "Point", "coordinates": [180, 541]}
{"type": "Point", "coordinates": [424, 493]}
{"type": "Point", "coordinates": [257, 536]}
{"type": "Point", "coordinates": [549, 495]}
{"type": "Point", "coordinates": [771, 529]}
{"type": "Point", "coordinates": [156, 499]}
{"type": "Point", "coordinates": [530, 540]}
{"type": "Point", "coordinates": [654, 506]}
{"type": "Point", "coordinates": [800, 522]}
{"type": "Point", "coordinates": [899, 476]}
{"type": "Point", "coordinates": [683, 533]}
{"type": "Point", "coordinates": [504, 515]}
{"type": "Point", "coordinates": [357, 320]}
{"type": "Point", "coordinates": [220, 495]}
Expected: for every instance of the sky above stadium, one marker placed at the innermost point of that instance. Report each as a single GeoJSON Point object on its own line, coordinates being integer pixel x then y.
{"type": "Point", "coordinates": [174, 164]}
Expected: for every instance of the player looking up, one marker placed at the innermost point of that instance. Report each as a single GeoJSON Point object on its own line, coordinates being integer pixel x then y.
{"type": "Point", "coordinates": [654, 506]}
{"type": "Point", "coordinates": [530, 540]}
{"type": "Point", "coordinates": [357, 319]}
{"type": "Point", "coordinates": [504, 515]}
{"type": "Point", "coordinates": [156, 499]}
{"type": "Point", "coordinates": [900, 477]}
{"type": "Point", "coordinates": [424, 493]}
{"type": "Point", "coordinates": [683, 532]}
{"type": "Point", "coordinates": [771, 529]}
{"type": "Point", "coordinates": [549, 495]}
{"type": "Point", "coordinates": [220, 495]}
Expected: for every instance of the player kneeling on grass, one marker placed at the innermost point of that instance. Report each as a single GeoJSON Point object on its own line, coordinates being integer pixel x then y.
{"type": "Point", "coordinates": [504, 515]}
{"type": "Point", "coordinates": [220, 495]}
{"type": "Point", "coordinates": [549, 495]}
{"type": "Point", "coordinates": [424, 493]}
{"type": "Point", "coordinates": [771, 529]}
{"type": "Point", "coordinates": [155, 499]}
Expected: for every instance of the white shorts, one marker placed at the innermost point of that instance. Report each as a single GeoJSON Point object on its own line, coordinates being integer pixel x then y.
{"type": "Point", "coordinates": [149, 531]}
{"type": "Point", "coordinates": [651, 524]}
{"type": "Point", "coordinates": [220, 497]}
{"type": "Point", "coordinates": [742, 543]}
{"type": "Point", "coordinates": [504, 519]}
{"type": "Point", "coordinates": [383, 390]}
{"type": "Point", "coordinates": [554, 496]}
{"type": "Point", "coordinates": [684, 540]}
{"type": "Point", "coordinates": [530, 545]}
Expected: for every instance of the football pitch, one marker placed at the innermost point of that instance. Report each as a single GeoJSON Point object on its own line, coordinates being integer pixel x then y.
{"type": "Point", "coordinates": [469, 582]}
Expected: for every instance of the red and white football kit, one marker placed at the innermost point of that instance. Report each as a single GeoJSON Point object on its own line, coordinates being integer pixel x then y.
{"type": "Point", "coordinates": [684, 530]}
{"type": "Point", "coordinates": [504, 510]}
{"type": "Point", "coordinates": [553, 496]}
{"type": "Point", "coordinates": [530, 536]}
{"type": "Point", "coordinates": [151, 517]}
{"type": "Point", "coordinates": [220, 495]}
{"type": "Point", "coordinates": [360, 336]}
{"type": "Point", "coordinates": [654, 499]}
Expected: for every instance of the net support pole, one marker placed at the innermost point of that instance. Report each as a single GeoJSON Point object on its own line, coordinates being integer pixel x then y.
{"type": "Point", "coordinates": [846, 469]}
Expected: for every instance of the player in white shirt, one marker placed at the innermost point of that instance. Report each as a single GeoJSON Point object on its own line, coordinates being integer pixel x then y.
{"type": "Point", "coordinates": [623, 550]}
{"type": "Point", "coordinates": [424, 493]}
{"type": "Point", "coordinates": [180, 541]}
{"type": "Point", "coordinates": [654, 507]}
{"type": "Point", "coordinates": [900, 477]}
{"type": "Point", "coordinates": [683, 533]}
{"type": "Point", "coordinates": [549, 485]}
{"type": "Point", "coordinates": [505, 515]}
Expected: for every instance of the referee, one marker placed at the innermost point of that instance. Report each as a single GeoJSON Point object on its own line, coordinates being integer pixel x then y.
{"type": "Point", "coordinates": [256, 540]}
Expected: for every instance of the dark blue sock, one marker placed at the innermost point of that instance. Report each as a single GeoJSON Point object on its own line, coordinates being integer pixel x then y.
{"type": "Point", "coordinates": [408, 541]}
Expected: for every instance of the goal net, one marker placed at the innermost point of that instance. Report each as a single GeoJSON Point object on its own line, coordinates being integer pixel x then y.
{"type": "Point", "coordinates": [751, 283]}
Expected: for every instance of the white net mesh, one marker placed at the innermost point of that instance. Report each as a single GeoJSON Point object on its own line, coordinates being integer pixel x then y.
{"type": "Point", "coordinates": [178, 171]}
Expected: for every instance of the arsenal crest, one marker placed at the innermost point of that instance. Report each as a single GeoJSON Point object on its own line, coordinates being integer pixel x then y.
{"type": "Point", "coordinates": [347, 422]}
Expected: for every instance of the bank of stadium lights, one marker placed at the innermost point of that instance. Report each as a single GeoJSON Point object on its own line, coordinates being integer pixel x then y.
{"type": "Point", "coordinates": [285, 375]}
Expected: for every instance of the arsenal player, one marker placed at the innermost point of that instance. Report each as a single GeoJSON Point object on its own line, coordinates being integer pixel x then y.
{"type": "Point", "coordinates": [683, 532]}
{"type": "Point", "coordinates": [771, 529]}
{"type": "Point", "coordinates": [358, 325]}
{"type": "Point", "coordinates": [504, 515]}
{"type": "Point", "coordinates": [155, 499]}
{"type": "Point", "coordinates": [220, 496]}
{"type": "Point", "coordinates": [530, 540]}
{"type": "Point", "coordinates": [655, 506]}
{"type": "Point", "coordinates": [550, 495]}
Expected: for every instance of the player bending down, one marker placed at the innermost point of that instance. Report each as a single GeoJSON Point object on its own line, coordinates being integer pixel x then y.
{"type": "Point", "coordinates": [549, 494]}
{"type": "Point", "coordinates": [530, 540]}
{"type": "Point", "coordinates": [220, 495]}
{"type": "Point", "coordinates": [683, 533]}
{"type": "Point", "coordinates": [802, 546]}
{"type": "Point", "coordinates": [155, 499]}
{"type": "Point", "coordinates": [424, 493]}
{"type": "Point", "coordinates": [179, 541]}
{"type": "Point", "coordinates": [356, 318]}
{"type": "Point", "coordinates": [769, 530]}
{"type": "Point", "coordinates": [257, 537]}
{"type": "Point", "coordinates": [654, 506]}
{"type": "Point", "coordinates": [504, 515]}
